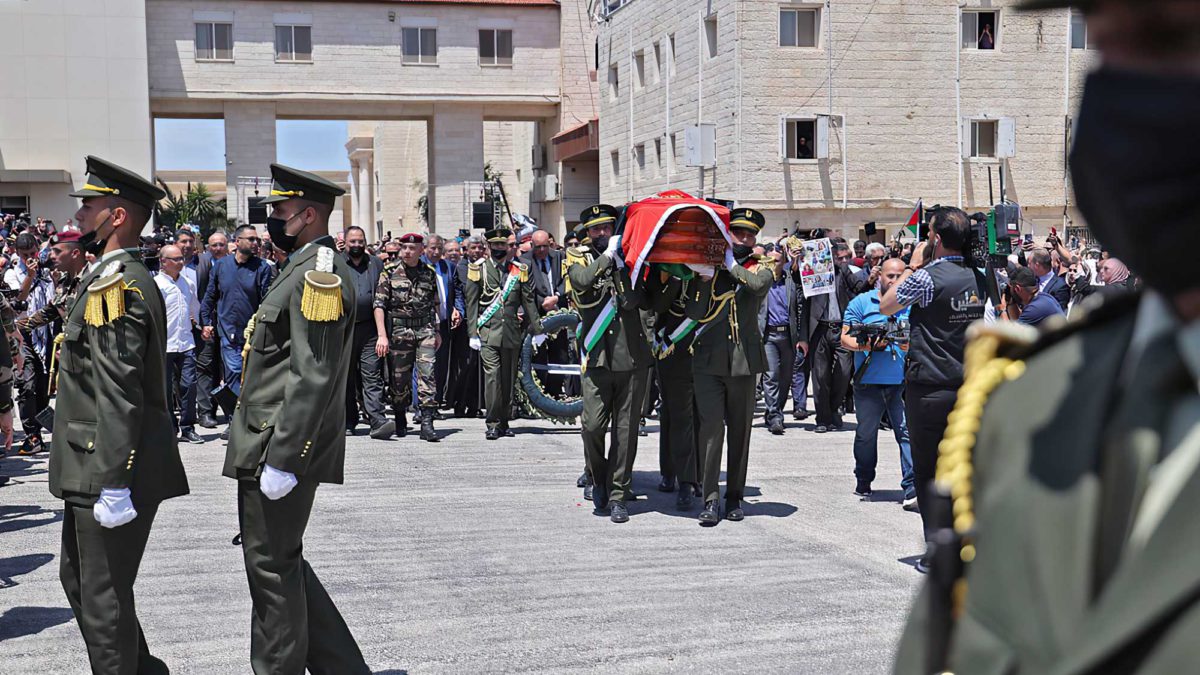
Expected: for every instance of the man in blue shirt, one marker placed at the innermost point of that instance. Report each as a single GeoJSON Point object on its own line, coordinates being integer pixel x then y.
{"type": "Point", "coordinates": [1034, 305]}
{"type": "Point", "coordinates": [236, 286]}
{"type": "Point", "coordinates": [880, 387]}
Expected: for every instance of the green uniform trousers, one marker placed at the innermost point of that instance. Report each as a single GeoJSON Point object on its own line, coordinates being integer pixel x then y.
{"type": "Point", "coordinates": [97, 567]}
{"type": "Point", "coordinates": [499, 375]}
{"type": "Point", "coordinates": [612, 399]}
{"type": "Point", "coordinates": [294, 623]}
{"type": "Point", "coordinates": [677, 456]}
{"type": "Point", "coordinates": [724, 401]}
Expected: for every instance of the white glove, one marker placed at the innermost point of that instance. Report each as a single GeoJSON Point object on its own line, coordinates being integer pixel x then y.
{"type": "Point", "coordinates": [274, 483]}
{"type": "Point", "coordinates": [538, 340]}
{"type": "Point", "coordinates": [476, 343]}
{"type": "Point", "coordinates": [705, 271]}
{"type": "Point", "coordinates": [614, 250]}
{"type": "Point", "coordinates": [113, 508]}
{"type": "Point", "coordinates": [730, 263]}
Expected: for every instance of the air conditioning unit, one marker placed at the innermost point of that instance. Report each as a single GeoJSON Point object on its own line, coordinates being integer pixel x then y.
{"type": "Point", "coordinates": [700, 145]}
{"type": "Point", "coordinates": [546, 189]}
{"type": "Point", "coordinates": [538, 157]}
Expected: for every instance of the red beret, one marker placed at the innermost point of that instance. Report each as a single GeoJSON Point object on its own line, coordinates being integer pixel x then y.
{"type": "Point", "coordinates": [67, 237]}
{"type": "Point", "coordinates": [411, 238]}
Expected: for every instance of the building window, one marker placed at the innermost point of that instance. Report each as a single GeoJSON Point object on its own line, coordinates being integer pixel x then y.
{"type": "Point", "coordinates": [983, 138]}
{"type": "Point", "coordinates": [639, 69]}
{"type": "Point", "coordinates": [659, 65]}
{"type": "Point", "coordinates": [495, 47]}
{"type": "Point", "coordinates": [799, 27]}
{"type": "Point", "coordinates": [671, 54]}
{"type": "Point", "coordinates": [1079, 33]}
{"type": "Point", "coordinates": [980, 29]}
{"type": "Point", "coordinates": [710, 36]}
{"type": "Point", "coordinates": [214, 41]}
{"type": "Point", "coordinates": [615, 159]}
{"type": "Point", "coordinates": [658, 157]}
{"type": "Point", "coordinates": [419, 46]}
{"type": "Point", "coordinates": [639, 159]}
{"type": "Point", "coordinates": [614, 82]}
{"type": "Point", "coordinates": [799, 138]}
{"type": "Point", "coordinates": [293, 43]}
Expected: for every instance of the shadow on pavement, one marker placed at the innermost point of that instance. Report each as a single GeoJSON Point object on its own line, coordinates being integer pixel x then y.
{"type": "Point", "coordinates": [896, 496]}
{"type": "Point", "coordinates": [390, 672]}
{"type": "Point", "coordinates": [20, 467]}
{"type": "Point", "coordinates": [14, 518]}
{"type": "Point", "coordinates": [21, 621]}
{"type": "Point", "coordinates": [911, 560]}
{"type": "Point", "coordinates": [645, 485]}
{"type": "Point", "coordinates": [20, 564]}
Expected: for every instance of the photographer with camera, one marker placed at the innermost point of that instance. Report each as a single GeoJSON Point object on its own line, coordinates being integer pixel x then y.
{"type": "Point", "coordinates": [1025, 302]}
{"type": "Point", "coordinates": [946, 295]}
{"type": "Point", "coordinates": [879, 344]}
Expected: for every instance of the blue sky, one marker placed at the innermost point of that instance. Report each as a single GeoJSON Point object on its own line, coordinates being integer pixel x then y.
{"type": "Point", "coordinates": [199, 145]}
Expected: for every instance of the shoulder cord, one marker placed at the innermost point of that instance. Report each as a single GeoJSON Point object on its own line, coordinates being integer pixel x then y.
{"type": "Point", "coordinates": [984, 371]}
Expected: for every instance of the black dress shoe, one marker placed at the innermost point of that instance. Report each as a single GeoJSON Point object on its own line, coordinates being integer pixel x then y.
{"type": "Point", "coordinates": [683, 502]}
{"type": "Point", "coordinates": [710, 515]}
{"type": "Point", "coordinates": [507, 433]}
{"type": "Point", "coordinates": [492, 434]}
{"type": "Point", "coordinates": [189, 434]}
{"type": "Point", "coordinates": [582, 481]}
{"type": "Point", "coordinates": [642, 427]}
{"type": "Point", "coordinates": [733, 511]}
{"type": "Point", "coordinates": [384, 430]}
{"type": "Point", "coordinates": [821, 428]}
{"type": "Point", "coordinates": [207, 421]}
{"type": "Point", "coordinates": [587, 492]}
{"type": "Point", "coordinates": [799, 415]}
{"type": "Point", "coordinates": [618, 513]}
{"type": "Point", "coordinates": [776, 428]}
{"type": "Point", "coordinates": [667, 484]}
{"type": "Point", "coordinates": [480, 415]}
{"type": "Point", "coordinates": [349, 432]}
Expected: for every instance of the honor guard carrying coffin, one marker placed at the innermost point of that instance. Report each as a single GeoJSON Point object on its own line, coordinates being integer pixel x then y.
{"type": "Point", "coordinates": [497, 286]}
{"type": "Point", "coordinates": [114, 458]}
{"type": "Point", "coordinates": [728, 355]}
{"type": "Point", "coordinates": [288, 432]}
{"type": "Point", "coordinates": [1068, 481]}
{"type": "Point", "coordinates": [615, 358]}
{"type": "Point", "coordinates": [406, 309]}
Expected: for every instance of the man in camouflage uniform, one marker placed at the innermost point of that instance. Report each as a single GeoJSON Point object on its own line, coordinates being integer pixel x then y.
{"type": "Point", "coordinates": [407, 297]}
{"type": "Point", "coordinates": [67, 262]}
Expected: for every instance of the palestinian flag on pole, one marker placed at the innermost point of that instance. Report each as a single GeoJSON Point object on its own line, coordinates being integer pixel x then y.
{"type": "Point", "coordinates": [913, 225]}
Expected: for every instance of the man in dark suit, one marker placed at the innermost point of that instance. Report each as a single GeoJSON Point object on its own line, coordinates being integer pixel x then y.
{"type": "Point", "coordinates": [467, 374]}
{"type": "Point", "coordinates": [208, 352]}
{"type": "Point", "coordinates": [1049, 283]}
{"type": "Point", "coordinates": [831, 364]}
{"type": "Point", "coordinates": [779, 320]}
{"type": "Point", "coordinates": [546, 268]}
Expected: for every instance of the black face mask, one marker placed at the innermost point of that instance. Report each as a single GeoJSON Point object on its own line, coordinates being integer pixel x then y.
{"type": "Point", "coordinates": [741, 252]}
{"type": "Point", "coordinates": [1135, 171]}
{"type": "Point", "coordinates": [498, 253]}
{"type": "Point", "coordinates": [277, 228]}
{"type": "Point", "coordinates": [356, 251]}
{"type": "Point", "coordinates": [90, 243]}
{"type": "Point", "coordinates": [600, 245]}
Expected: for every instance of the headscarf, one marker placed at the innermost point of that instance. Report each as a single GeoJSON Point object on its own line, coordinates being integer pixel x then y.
{"type": "Point", "coordinates": [1117, 270]}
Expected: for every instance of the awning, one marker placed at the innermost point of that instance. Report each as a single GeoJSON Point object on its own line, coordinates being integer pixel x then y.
{"type": "Point", "coordinates": [35, 176]}
{"type": "Point", "coordinates": [579, 142]}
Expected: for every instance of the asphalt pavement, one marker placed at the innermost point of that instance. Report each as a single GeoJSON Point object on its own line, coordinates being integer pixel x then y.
{"type": "Point", "coordinates": [469, 556]}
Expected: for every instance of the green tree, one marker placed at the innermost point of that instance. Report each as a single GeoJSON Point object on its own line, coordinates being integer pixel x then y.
{"type": "Point", "coordinates": [196, 206]}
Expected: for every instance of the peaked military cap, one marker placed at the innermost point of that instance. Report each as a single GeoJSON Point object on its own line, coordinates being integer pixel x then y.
{"type": "Point", "coordinates": [747, 219]}
{"type": "Point", "coordinates": [597, 215]}
{"type": "Point", "coordinates": [107, 179]}
{"type": "Point", "coordinates": [500, 234]}
{"type": "Point", "coordinates": [411, 238]}
{"type": "Point", "coordinates": [288, 183]}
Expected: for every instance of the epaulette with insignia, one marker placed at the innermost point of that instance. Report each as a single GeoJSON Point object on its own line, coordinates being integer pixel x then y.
{"type": "Point", "coordinates": [106, 296]}
{"type": "Point", "coordinates": [322, 298]}
{"type": "Point", "coordinates": [576, 255]}
{"type": "Point", "coordinates": [522, 270]}
{"type": "Point", "coordinates": [475, 270]}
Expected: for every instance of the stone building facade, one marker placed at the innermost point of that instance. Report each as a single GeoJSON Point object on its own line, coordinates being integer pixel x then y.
{"type": "Point", "coordinates": [899, 100]}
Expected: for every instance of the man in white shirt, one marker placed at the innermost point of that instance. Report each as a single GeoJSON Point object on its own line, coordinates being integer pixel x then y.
{"type": "Point", "coordinates": [31, 281]}
{"type": "Point", "coordinates": [183, 311]}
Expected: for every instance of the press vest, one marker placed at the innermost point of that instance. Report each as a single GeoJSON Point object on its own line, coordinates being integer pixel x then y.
{"type": "Point", "coordinates": [939, 330]}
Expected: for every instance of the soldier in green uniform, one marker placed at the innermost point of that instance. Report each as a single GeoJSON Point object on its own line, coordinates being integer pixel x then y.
{"type": "Point", "coordinates": [728, 356]}
{"type": "Point", "coordinates": [672, 336]}
{"type": "Point", "coordinates": [67, 260]}
{"type": "Point", "coordinates": [496, 288]}
{"type": "Point", "coordinates": [616, 358]}
{"type": "Point", "coordinates": [1068, 481]}
{"type": "Point", "coordinates": [406, 298]}
{"type": "Point", "coordinates": [114, 458]}
{"type": "Point", "coordinates": [287, 435]}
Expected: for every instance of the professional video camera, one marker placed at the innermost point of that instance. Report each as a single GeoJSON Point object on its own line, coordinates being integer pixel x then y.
{"type": "Point", "coordinates": [880, 335]}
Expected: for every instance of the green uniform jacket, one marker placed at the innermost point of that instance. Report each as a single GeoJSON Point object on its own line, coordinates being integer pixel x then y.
{"type": "Point", "coordinates": [503, 330]}
{"type": "Point", "coordinates": [292, 413]}
{"type": "Point", "coordinates": [668, 302]}
{"type": "Point", "coordinates": [623, 347]}
{"type": "Point", "coordinates": [113, 424]}
{"type": "Point", "coordinates": [1031, 603]}
{"type": "Point", "coordinates": [713, 348]}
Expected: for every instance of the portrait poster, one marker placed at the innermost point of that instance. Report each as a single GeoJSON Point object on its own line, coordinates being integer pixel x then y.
{"type": "Point", "coordinates": [816, 268]}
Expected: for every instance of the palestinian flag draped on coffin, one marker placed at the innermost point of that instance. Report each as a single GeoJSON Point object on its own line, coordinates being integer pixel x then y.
{"type": "Point", "coordinates": [674, 227]}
